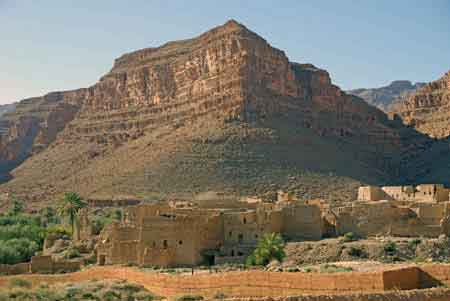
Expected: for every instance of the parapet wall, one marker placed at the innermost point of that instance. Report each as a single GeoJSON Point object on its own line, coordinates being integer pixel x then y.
{"type": "Point", "coordinates": [15, 269]}
{"type": "Point", "coordinates": [242, 283]}
{"type": "Point", "coordinates": [351, 286]}
{"type": "Point", "coordinates": [41, 265]}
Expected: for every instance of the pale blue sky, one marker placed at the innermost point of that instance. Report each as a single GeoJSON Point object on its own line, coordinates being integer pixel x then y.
{"type": "Point", "coordinates": [50, 45]}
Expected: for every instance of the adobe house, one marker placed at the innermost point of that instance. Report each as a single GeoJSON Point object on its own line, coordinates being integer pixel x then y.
{"type": "Point", "coordinates": [420, 193]}
{"type": "Point", "coordinates": [163, 235]}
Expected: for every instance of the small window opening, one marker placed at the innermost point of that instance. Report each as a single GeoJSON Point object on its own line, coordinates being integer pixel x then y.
{"type": "Point", "coordinates": [240, 237]}
{"type": "Point", "coordinates": [165, 244]}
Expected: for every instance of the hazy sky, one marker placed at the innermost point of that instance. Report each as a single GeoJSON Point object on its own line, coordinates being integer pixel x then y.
{"type": "Point", "coordinates": [50, 45]}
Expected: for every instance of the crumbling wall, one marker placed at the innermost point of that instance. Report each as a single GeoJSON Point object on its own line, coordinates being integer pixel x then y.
{"type": "Point", "coordinates": [15, 269]}
{"type": "Point", "coordinates": [385, 218]}
{"type": "Point", "coordinates": [42, 264]}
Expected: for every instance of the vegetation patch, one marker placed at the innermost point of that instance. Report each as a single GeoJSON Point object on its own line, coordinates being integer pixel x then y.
{"type": "Point", "coordinates": [270, 247]}
{"type": "Point", "coordinates": [90, 290]}
{"type": "Point", "coordinates": [332, 268]}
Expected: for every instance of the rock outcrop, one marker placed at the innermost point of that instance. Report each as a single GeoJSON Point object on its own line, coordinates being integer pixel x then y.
{"type": "Point", "coordinates": [428, 109]}
{"type": "Point", "coordinates": [224, 110]}
{"type": "Point", "coordinates": [384, 97]}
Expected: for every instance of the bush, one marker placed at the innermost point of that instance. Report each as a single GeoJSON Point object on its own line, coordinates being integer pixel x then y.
{"type": "Point", "coordinates": [59, 231]}
{"type": "Point", "coordinates": [270, 247]}
{"type": "Point", "coordinates": [332, 268]}
{"type": "Point", "coordinates": [20, 282]}
{"type": "Point", "coordinates": [412, 244]}
{"type": "Point", "coordinates": [22, 219]}
{"type": "Point", "coordinates": [357, 251]}
{"type": "Point", "coordinates": [349, 236]}
{"type": "Point", "coordinates": [72, 253]}
{"type": "Point", "coordinates": [48, 216]}
{"type": "Point", "coordinates": [220, 296]}
{"type": "Point", "coordinates": [390, 248]}
{"type": "Point", "coordinates": [17, 206]}
{"type": "Point", "coordinates": [100, 223]}
{"type": "Point", "coordinates": [111, 296]}
{"type": "Point", "coordinates": [17, 250]}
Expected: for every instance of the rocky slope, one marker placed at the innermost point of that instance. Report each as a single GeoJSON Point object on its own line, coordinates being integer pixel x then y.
{"type": "Point", "coordinates": [222, 111]}
{"type": "Point", "coordinates": [384, 97]}
{"type": "Point", "coordinates": [428, 109]}
{"type": "Point", "coordinates": [7, 108]}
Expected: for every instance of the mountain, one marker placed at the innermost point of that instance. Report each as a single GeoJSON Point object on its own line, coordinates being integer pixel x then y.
{"type": "Point", "coordinates": [7, 108]}
{"type": "Point", "coordinates": [224, 111]}
{"type": "Point", "coordinates": [384, 97]}
{"type": "Point", "coordinates": [428, 109]}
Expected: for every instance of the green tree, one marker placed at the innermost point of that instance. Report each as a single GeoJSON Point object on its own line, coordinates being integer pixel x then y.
{"type": "Point", "coordinates": [48, 216]}
{"type": "Point", "coordinates": [270, 246]}
{"type": "Point", "coordinates": [17, 206]}
{"type": "Point", "coordinates": [69, 207]}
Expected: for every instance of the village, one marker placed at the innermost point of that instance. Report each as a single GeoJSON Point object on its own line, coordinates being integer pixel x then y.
{"type": "Point", "coordinates": [151, 239]}
{"type": "Point", "coordinates": [183, 233]}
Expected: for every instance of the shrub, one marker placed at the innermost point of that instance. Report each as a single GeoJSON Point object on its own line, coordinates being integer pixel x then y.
{"type": "Point", "coordinates": [390, 248]}
{"type": "Point", "coordinates": [48, 216]}
{"type": "Point", "coordinates": [412, 244]}
{"type": "Point", "coordinates": [220, 296]}
{"type": "Point", "coordinates": [20, 282]}
{"type": "Point", "coordinates": [332, 268]}
{"type": "Point", "coordinates": [111, 296]}
{"type": "Point", "coordinates": [17, 250]}
{"type": "Point", "coordinates": [100, 223]}
{"type": "Point", "coordinates": [72, 253]}
{"type": "Point", "coordinates": [356, 251]}
{"type": "Point", "coordinates": [17, 206]}
{"type": "Point", "coordinates": [270, 247]}
{"type": "Point", "coordinates": [349, 236]}
{"type": "Point", "coordinates": [59, 231]}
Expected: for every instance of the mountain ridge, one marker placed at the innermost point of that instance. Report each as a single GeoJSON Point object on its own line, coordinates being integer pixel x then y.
{"type": "Point", "coordinates": [225, 111]}
{"type": "Point", "coordinates": [385, 96]}
{"type": "Point", "coordinates": [428, 108]}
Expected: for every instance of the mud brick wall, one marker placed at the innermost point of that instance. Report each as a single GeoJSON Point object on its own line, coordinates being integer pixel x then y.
{"type": "Point", "coordinates": [405, 279]}
{"type": "Point", "coordinates": [15, 269]}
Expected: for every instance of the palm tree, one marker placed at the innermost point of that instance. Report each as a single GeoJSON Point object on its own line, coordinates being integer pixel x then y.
{"type": "Point", "coordinates": [69, 207]}
{"type": "Point", "coordinates": [270, 247]}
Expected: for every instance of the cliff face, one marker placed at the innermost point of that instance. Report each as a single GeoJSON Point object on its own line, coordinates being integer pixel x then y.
{"type": "Point", "coordinates": [384, 97]}
{"type": "Point", "coordinates": [228, 73]}
{"type": "Point", "coordinates": [428, 109]}
{"type": "Point", "coordinates": [221, 111]}
{"type": "Point", "coordinates": [33, 124]}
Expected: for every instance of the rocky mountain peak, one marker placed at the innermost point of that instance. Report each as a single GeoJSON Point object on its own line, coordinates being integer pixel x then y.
{"type": "Point", "coordinates": [385, 97]}
{"type": "Point", "coordinates": [428, 109]}
{"type": "Point", "coordinates": [223, 110]}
